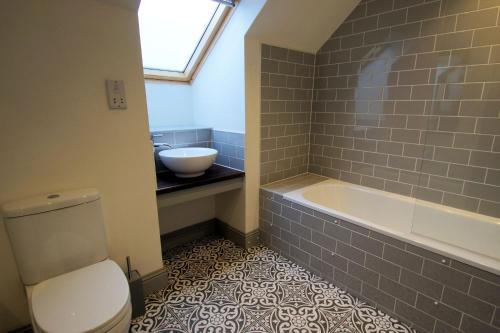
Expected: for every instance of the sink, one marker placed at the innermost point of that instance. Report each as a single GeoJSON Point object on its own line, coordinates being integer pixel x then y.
{"type": "Point", "coordinates": [188, 162]}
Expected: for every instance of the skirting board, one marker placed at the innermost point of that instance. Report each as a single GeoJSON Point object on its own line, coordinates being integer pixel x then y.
{"type": "Point", "coordinates": [157, 280]}
{"type": "Point", "coordinates": [239, 238]}
{"type": "Point", "coordinates": [207, 228]}
{"type": "Point", "coordinates": [154, 281]}
{"type": "Point", "coordinates": [188, 234]}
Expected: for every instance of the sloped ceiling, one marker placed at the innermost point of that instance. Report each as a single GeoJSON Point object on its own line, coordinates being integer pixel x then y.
{"type": "Point", "coordinates": [302, 25]}
{"type": "Point", "coordinates": [128, 4]}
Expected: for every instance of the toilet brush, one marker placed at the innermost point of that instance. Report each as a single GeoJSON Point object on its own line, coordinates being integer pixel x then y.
{"type": "Point", "coordinates": [129, 268]}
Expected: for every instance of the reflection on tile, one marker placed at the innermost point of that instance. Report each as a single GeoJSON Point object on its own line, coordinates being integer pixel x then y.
{"type": "Point", "coordinates": [426, 74]}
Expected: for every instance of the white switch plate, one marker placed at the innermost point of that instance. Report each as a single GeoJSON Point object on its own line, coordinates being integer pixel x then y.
{"type": "Point", "coordinates": [115, 90]}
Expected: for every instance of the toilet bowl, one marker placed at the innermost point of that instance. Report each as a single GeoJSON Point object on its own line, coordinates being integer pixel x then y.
{"type": "Point", "coordinates": [59, 243]}
{"type": "Point", "coordinates": [93, 299]}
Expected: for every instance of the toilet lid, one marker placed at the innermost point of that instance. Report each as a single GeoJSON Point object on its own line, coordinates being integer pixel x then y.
{"type": "Point", "coordinates": [80, 301]}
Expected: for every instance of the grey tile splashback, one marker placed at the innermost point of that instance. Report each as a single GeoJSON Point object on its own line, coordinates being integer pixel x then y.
{"type": "Point", "coordinates": [431, 292]}
{"type": "Point", "coordinates": [406, 99]}
{"type": "Point", "coordinates": [183, 137]}
{"type": "Point", "coordinates": [230, 145]}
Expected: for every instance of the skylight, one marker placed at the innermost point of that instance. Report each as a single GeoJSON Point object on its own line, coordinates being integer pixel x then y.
{"type": "Point", "coordinates": [175, 34]}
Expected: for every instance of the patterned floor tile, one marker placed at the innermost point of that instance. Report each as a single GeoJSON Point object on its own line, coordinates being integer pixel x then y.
{"type": "Point", "coordinates": [215, 286]}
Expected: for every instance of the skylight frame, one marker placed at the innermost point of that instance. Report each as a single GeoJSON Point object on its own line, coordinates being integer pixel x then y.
{"type": "Point", "coordinates": [206, 41]}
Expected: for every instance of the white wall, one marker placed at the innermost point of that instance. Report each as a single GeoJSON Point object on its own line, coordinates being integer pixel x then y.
{"type": "Point", "coordinates": [300, 25]}
{"type": "Point", "coordinates": [219, 87]}
{"type": "Point", "coordinates": [252, 135]}
{"type": "Point", "coordinates": [170, 105]}
{"type": "Point", "coordinates": [186, 214]}
{"type": "Point", "coordinates": [57, 133]}
{"type": "Point", "coordinates": [219, 102]}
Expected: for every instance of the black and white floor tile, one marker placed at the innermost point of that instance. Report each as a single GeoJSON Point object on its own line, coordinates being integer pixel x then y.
{"type": "Point", "coordinates": [215, 286]}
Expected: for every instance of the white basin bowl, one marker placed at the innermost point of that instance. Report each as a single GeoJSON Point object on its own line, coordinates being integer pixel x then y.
{"type": "Point", "coordinates": [188, 162]}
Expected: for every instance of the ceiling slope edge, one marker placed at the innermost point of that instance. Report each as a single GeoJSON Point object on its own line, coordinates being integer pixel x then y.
{"type": "Point", "coordinates": [300, 25]}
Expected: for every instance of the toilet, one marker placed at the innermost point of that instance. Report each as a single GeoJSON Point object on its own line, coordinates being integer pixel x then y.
{"type": "Point", "coordinates": [59, 243]}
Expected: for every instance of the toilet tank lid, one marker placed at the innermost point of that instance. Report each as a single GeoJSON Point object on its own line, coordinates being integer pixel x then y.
{"type": "Point", "coordinates": [48, 202]}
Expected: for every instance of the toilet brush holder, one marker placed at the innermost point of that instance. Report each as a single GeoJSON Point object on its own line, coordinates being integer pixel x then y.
{"type": "Point", "coordinates": [136, 294]}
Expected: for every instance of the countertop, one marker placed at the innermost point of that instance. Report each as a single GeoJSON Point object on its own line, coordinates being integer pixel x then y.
{"type": "Point", "coordinates": [167, 182]}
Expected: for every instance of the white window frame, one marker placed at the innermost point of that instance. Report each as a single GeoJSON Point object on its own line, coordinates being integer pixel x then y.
{"type": "Point", "coordinates": [212, 32]}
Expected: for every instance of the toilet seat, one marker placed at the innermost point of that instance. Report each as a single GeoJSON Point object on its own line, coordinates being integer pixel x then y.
{"type": "Point", "coordinates": [91, 299]}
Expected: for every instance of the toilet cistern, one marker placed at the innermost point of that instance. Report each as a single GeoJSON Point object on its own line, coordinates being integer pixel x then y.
{"type": "Point", "coordinates": [78, 289]}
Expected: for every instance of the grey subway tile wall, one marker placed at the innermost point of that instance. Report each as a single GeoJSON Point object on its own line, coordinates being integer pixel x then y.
{"type": "Point", "coordinates": [286, 94]}
{"type": "Point", "coordinates": [231, 148]}
{"type": "Point", "coordinates": [407, 100]}
{"type": "Point", "coordinates": [433, 293]}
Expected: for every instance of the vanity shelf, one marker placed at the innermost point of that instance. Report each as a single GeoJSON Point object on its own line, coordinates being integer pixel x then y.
{"type": "Point", "coordinates": [172, 190]}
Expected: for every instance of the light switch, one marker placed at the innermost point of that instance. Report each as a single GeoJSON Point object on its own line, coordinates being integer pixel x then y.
{"type": "Point", "coordinates": [115, 90]}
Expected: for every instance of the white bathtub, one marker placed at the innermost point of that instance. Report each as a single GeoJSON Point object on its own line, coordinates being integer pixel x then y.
{"type": "Point", "coordinates": [468, 237]}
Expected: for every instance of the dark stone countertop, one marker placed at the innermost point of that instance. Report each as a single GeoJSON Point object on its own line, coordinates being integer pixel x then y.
{"type": "Point", "coordinates": [167, 182]}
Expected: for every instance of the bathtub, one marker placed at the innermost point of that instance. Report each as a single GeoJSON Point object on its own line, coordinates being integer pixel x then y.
{"type": "Point", "coordinates": [465, 236]}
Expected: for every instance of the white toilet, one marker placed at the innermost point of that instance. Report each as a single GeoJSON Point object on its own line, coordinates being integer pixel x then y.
{"type": "Point", "coordinates": [59, 244]}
